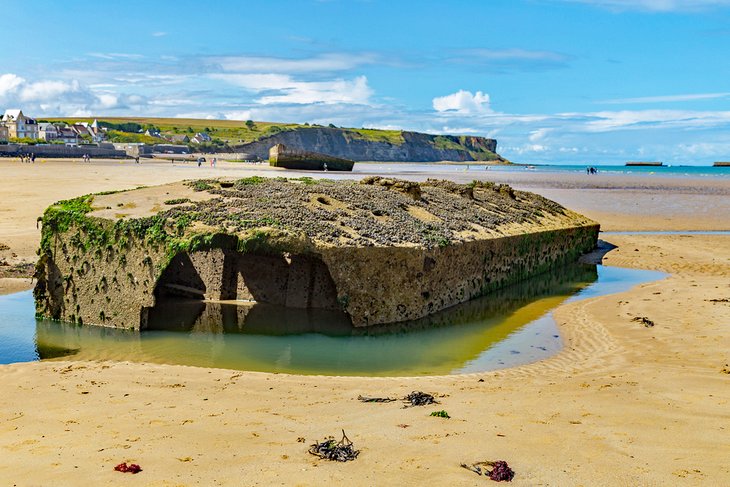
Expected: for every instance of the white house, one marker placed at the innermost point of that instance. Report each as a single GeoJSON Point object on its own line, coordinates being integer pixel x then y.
{"type": "Point", "coordinates": [19, 126]}
{"type": "Point", "coordinates": [200, 138]}
{"type": "Point", "coordinates": [47, 131]}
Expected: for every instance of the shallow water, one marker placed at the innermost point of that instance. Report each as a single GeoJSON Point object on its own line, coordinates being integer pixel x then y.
{"type": "Point", "coordinates": [508, 328]}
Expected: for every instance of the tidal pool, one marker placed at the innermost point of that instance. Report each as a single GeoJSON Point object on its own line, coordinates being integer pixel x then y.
{"type": "Point", "coordinates": [510, 327]}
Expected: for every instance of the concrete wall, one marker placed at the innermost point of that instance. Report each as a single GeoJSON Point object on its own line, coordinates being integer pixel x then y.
{"type": "Point", "coordinates": [373, 285]}
{"type": "Point", "coordinates": [57, 150]}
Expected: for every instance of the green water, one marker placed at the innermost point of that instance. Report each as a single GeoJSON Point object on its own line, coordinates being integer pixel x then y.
{"type": "Point", "coordinates": [510, 327]}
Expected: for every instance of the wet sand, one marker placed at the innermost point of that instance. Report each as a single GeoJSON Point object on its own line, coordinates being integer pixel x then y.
{"type": "Point", "coordinates": [622, 404]}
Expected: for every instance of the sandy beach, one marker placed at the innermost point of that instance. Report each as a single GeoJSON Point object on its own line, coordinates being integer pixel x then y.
{"type": "Point", "coordinates": [621, 404]}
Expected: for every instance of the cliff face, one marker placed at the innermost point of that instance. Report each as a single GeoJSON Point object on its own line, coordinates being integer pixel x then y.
{"type": "Point", "coordinates": [380, 251]}
{"type": "Point", "coordinates": [348, 144]}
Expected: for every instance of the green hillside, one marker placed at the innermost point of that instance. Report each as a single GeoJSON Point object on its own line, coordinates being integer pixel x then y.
{"type": "Point", "coordinates": [231, 132]}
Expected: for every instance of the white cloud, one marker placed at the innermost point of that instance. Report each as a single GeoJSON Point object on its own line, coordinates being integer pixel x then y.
{"type": "Point", "coordinates": [538, 135]}
{"type": "Point", "coordinates": [517, 54]}
{"type": "Point", "coordinates": [656, 5]}
{"type": "Point", "coordinates": [328, 62]}
{"type": "Point", "coordinates": [159, 34]}
{"type": "Point", "coordinates": [706, 148]}
{"type": "Point", "coordinates": [9, 83]}
{"type": "Point", "coordinates": [650, 119]}
{"type": "Point", "coordinates": [60, 97]}
{"type": "Point", "coordinates": [667, 98]}
{"type": "Point", "coordinates": [115, 55]}
{"type": "Point", "coordinates": [49, 90]}
{"type": "Point", "coordinates": [509, 60]}
{"type": "Point", "coordinates": [463, 102]}
{"type": "Point", "coordinates": [528, 149]}
{"type": "Point", "coordinates": [283, 89]}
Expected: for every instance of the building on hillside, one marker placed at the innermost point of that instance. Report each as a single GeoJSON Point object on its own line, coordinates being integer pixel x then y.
{"type": "Point", "coordinates": [178, 139]}
{"type": "Point", "coordinates": [98, 134]}
{"type": "Point", "coordinates": [200, 138]}
{"type": "Point", "coordinates": [19, 126]}
{"type": "Point", "coordinates": [82, 132]}
{"type": "Point", "coordinates": [91, 130]}
{"type": "Point", "coordinates": [153, 133]}
{"type": "Point", "coordinates": [67, 135]}
{"type": "Point", "coordinates": [47, 131]}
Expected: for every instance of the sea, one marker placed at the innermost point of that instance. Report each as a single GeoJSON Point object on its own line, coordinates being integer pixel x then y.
{"type": "Point", "coordinates": [666, 170]}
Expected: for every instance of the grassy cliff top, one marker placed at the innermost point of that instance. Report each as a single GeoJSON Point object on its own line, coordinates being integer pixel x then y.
{"type": "Point", "coordinates": [230, 131]}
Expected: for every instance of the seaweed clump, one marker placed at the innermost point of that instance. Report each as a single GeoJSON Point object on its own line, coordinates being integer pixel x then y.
{"type": "Point", "coordinates": [131, 468]}
{"type": "Point", "coordinates": [500, 472]}
{"type": "Point", "coordinates": [644, 321]}
{"type": "Point", "coordinates": [417, 398]}
{"type": "Point", "coordinates": [337, 451]}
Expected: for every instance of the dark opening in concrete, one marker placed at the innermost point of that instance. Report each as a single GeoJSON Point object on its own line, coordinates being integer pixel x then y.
{"type": "Point", "coordinates": [270, 284]}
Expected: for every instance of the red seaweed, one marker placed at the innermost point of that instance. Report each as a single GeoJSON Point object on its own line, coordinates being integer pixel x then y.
{"type": "Point", "coordinates": [131, 468]}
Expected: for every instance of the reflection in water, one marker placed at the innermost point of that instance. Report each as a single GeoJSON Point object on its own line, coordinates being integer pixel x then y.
{"type": "Point", "coordinates": [506, 328]}
{"type": "Point", "coordinates": [274, 338]}
{"type": "Point", "coordinates": [48, 351]}
{"type": "Point", "coordinates": [266, 319]}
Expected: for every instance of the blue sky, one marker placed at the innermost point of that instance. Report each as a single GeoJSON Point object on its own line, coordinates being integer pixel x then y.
{"type": "Point", "coordinates": [575, 81]}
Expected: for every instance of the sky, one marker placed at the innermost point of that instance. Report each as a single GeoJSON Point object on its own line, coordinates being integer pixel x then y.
{"type": "Point", "coordinates": [554, 81]}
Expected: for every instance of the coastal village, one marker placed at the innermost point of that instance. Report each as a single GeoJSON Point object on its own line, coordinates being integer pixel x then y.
{"type": "Point", "coordinates": [19, 128]}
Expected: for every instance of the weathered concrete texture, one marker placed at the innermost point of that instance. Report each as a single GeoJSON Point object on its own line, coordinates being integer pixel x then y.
{"type": "Point", "coordinates": [416, 147]}
{"type": "Point", "coordinates": [281, 156]}
{"type": "Point", "coordinates": [295, 281]}
{"type": "Point", "coordinates": [376, 285]}
{"type": "Point", "coordinates": [386, 285]}
{"type": "Point", "coordinates": [109, 287]}
{"type": "Point", "coordinates": [428, 247]}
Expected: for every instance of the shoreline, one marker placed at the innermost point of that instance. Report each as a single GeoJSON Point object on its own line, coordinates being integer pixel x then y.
{"type": "Point", "coordinates": [621, 404]}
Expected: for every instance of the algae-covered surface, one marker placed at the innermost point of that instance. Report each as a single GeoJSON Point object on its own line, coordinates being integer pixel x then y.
{"type": "Point", "coordinates": [276, 212]}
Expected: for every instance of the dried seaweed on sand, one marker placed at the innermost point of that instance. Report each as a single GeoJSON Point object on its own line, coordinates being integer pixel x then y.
{"type": "Point", "coordinates": [417, 398]}
{"type": "Point", "coordinates": [337, 451]}
{"type": "Point", "coordinates": [500, 470]}
{"type": "Point", "coordinates": [375, 399]}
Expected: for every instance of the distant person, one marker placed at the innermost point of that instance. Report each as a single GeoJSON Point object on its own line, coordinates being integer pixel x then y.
{"type": "Point", "coordinates": [324, 166]}
{"type": "Point", "coordinates": [32, 157]}
{"type": "Point", "coordinates": [136, 159]}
